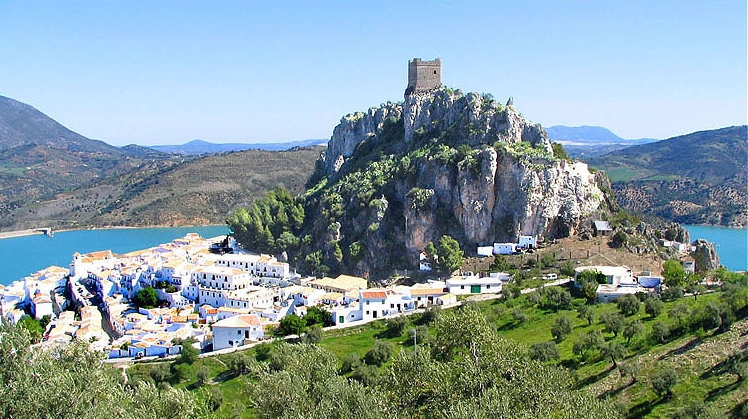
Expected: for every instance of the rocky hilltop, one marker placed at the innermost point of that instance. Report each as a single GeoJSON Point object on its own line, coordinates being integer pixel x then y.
{"type": "Point", "coordinates": [398, 176]}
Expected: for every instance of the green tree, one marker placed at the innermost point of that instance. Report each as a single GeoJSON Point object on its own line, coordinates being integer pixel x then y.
{"type": "Point", "coordinates": [519, 315]}
{"type": "Point", "coordinates": [261, 226]}
{"type": "Point", "coordinates": [32, 326]}
{"type": "Point", "coordinates": [672, 293]}
{"type": "Point", "coordinates": [589, 290]}
{"type": "Point", "coordinates": [630, 369]}
{"type": "Point", "coordinates": [674, 273]}
{"type": "Point", "coordinates": [72, 382]}
{"type": "Point", "coordinates": [316, 315]}
{"type": "Point", "coordinates": [313, 334]}
{"type": "Point", "coordinates": [240, 363]}
{"type": "Point", "coordinates": [653, 306]}
{"type": "Point", "coordinates": [613, 322]}
{"type": "Point", "coordinates": [557, 298]}
{"type": "Point", "coordinates": [586, 312]}
{"type": "Point", "coordinates": [395, 326]}
{"type": "Point", "coordinates": [146, 298]}
{"type": "Point", "coordinates": [660, 331]}
{"type": "Point", "coordinates": [160, 373]}
{"type": "Point", "coordinates": [561, 328]}
{"type": "Point", "coordinates": [559, 152]}
{"type": "Point", "coordinates": [631, 329]}
{"type": "Point", "coordinates": [697, 289]}
{"type": "Point", "coordinates": [544, 351]}
{"type": "Point", "coordinates": [664, 381]}
{"type": "Point", "coordinates": [619, 239]}
{"type": "Point", "coordinates": [379, 353]}
{"type": "Point", "coordinates": [615, 351]}
{"type": "Point", "coordinates": [587, 342]}
{"type": "Point", "coordinates": [188, 354]}
{"type": "Point", "coordinates": [291, 325]}
{"type": "Point", "coordinates": [628, 304]}
{"type": "Point", "coordinates": [202, 375]}
{"type": "Point", "coordinates": [450, 254]}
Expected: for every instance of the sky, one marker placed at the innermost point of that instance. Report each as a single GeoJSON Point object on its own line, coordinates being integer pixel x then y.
{"type": "Point", "coordinates": [167, 72]}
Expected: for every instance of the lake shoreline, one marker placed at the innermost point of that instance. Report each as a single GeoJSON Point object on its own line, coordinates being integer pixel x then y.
{"type": "Point", "coordinates": [39, 231]}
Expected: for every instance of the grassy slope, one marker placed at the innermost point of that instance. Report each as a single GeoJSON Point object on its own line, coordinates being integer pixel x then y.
{"type": "Point", "coordinates": [696, 358]}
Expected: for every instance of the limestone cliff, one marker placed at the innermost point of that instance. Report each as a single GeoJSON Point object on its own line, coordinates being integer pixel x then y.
{"type": "Point", "coordinates": [443, 162]}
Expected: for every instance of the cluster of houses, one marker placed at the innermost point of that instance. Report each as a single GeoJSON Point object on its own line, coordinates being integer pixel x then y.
{"type": "Point", "coordinates": [226, 300]}
{"type": "Point", "coordinates": [216, 299]}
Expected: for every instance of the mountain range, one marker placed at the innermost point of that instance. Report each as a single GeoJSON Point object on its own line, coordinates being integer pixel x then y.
{"type": "Point", "coordinates": [197, 147]}
{"type": "Point", "coordinates": [50, 175]}
{"type": "Point", "coordinates": [53, 177]}
{"type": "Point", "coordinates": [698, 178]}
{"type": "Point", "coordinates": [586, 141]}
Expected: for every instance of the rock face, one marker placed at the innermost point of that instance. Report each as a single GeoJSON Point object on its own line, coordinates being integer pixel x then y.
{"type": "Point", "coordinates": [446, 163]}
{"type": "Point", "coordinates": [705, 255]}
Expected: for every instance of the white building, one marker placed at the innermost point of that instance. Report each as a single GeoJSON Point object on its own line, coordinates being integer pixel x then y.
{"type": "Point", "coordinates": [216, 281]}
{"type": "Point", "coordinates": [614, 275]}
{"type": "Point", "coordinates": [373, 303]}
{"type": "Point", "coordinates": [504, 248]}
{"type": "Point", "coordinates": [237, 331]}
{"type": "Point", "coordinates": [528, 242]}
{"type": "Point", "coordinates": [473, 284]}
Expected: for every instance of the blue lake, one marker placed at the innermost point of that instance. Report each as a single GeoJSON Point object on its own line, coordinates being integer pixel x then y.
{"type": "Point", "coordinates": [21, 256]}
{"type": "Point", "coordinates": [731, 243]}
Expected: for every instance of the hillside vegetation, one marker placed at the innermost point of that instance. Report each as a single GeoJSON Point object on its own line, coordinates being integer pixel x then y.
{"type": "Point", "coordinates": [697, 178]}
{"type": "Point", "coordinates": [450, 370]}
{"type": "Point", "coordinates": [188, 192]}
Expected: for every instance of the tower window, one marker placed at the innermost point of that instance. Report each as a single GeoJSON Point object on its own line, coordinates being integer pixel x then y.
{"type": "Point", "coordinates": [434, 71]}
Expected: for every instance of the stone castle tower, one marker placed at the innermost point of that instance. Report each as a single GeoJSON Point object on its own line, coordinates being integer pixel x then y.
{"type": "Point", "coordinates": [423, 75]}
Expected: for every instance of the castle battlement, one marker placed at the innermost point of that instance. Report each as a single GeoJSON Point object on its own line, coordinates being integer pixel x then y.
{"type": "Point", "coordinates": [423, 75]}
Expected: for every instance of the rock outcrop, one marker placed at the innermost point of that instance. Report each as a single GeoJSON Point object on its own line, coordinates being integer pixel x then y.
{"type": "Point", "coordinates": [705, 255]}
{"type": "Point", "coordinates": [447, 163]}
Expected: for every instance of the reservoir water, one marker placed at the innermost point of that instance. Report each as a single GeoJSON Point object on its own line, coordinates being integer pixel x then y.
{"type": "Point", "coordinates": [21, 256]}
{"type": "Point", "coordinates": [731, 243]}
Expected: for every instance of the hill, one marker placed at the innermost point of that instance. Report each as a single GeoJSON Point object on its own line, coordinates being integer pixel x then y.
{"type": "Point", "coordinates": [443, 163]}
{"type": "Point", "coordinates": [697, 178]}
{"type": "Point", "coordinates": [194, 191]}
{"type": "Point", "coordinates": [197, 147]}
{"type": "Point", "coordinates": [40, 158]}
{"type": "Point", "coordinates": [588, 141]}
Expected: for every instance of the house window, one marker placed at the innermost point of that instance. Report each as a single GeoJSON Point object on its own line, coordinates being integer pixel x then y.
{"type": "Point", "coordinates": [392, 306]}
{"type": "Point", "coordinates": [488, 287]}
{"type": "Point", "coordinates": [238, 332]}
{"type": "Point", "coordinates": [367, 312]}
{"type": "Point", "coordinates": [462, 287]}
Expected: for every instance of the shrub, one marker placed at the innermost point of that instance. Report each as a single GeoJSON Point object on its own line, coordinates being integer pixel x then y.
{"type": "Point", "coordinates": [379, 353]}
{"type": "Point", "coordinates": [664, 381]}
{"type": "Point", "coordinates": [561, 328]}
{"type": "Point", "coordinates": [544, 351]}
{"type": "Point", "coordinates": [628, 304]}
{"type": "Point", "coordinates": [653, 307]}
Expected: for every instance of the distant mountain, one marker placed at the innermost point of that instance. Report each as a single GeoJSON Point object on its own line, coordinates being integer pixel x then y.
{"type": "Point", "coordinates": [588, 141]}
{"type": "Point", "coordinates": [698, 178]}
{"type": "Point", "coordinates": [23, 125]}
{"type": "Point", "coordinates": [190, 191]}
{"type": "Point", "coordinates": [40, 158]}
{"type": "Point", "coordinates": [197, 147]}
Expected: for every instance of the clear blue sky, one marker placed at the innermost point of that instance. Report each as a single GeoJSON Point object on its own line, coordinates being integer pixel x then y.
{"type": "Point", "coordinates": [159, 72]}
